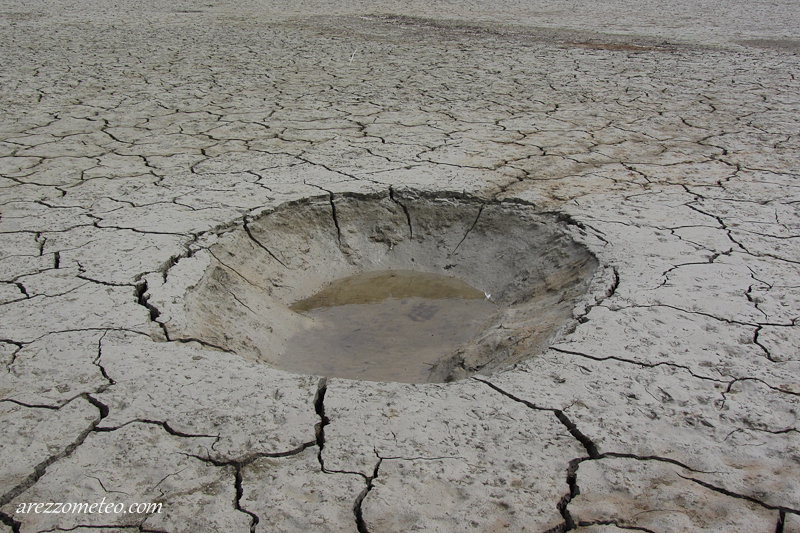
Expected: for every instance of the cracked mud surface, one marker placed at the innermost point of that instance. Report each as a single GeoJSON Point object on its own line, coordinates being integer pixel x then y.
{"type": "Point", "coordinates": [135, 138]}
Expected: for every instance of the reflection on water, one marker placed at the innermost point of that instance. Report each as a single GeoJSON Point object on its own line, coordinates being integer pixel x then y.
{"type": "Point", "coordinates": [385, 326]}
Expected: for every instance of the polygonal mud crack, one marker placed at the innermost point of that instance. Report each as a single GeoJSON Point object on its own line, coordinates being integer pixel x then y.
{"type": "Point", "coordinates": [532, 269]}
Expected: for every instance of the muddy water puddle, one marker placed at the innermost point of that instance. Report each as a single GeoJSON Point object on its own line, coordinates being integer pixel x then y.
{"type": "Point", "coordinates": [385, 326]}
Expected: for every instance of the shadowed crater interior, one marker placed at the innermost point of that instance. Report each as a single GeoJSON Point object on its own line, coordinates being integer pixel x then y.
{"type": "Point", "coordinates": [389, 288]}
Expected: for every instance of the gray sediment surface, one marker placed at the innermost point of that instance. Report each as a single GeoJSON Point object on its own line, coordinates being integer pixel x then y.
{"type": "Point", "coordinates": [622, 180]}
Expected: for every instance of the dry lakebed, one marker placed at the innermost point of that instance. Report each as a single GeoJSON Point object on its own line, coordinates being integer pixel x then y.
{"type": "Point", "coordinates": [439, 266]}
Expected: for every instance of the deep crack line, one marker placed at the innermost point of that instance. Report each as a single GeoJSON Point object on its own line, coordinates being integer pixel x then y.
{"type": "Point", "coordinates": [235, 271]}
{"type": "Point", "coordinates": [405, 210]}
{"type": "Point", "coordinates": [616, 524]}
{"type": "Point", "coordinates": [758, 343]}
{"type": "Point", "coordinates": [589, 446]}
{"type": "Point", "coordinates": [13, 358]}
{"type": "Point", "coordinates": [587, 443]}
{"type": "Point", "coordinates": [142, 299]}
{"type": "Point", "coordinates": [361, 524]}
{"type": "Point", "coordinates": [40, 469]}
{"type": "Point", "coordinates": [732, 494]}
{"type": "Point", "coordinates": [563, 503]}
{"type": "Point", "coordinates": [332, 202]}
{"type": "Point", "coordinates": [97, 363]}
{"type": "Point", "coordinates": [238, 465]}
{"type": "Point", "coordinates": [162, 423]}
{"type": "Point", "coordinates": [10, 522]}
{"type": "Point", "coordinates": [319, 408]}
{"type": "Point", "coordinates": [781, 521]}
{"type": "Point", "coordinates": [31, 405]}
{"type": "Point", "coordinates": [701, 313]}
{"type": "Point", "coordinates": [260, 245]}
{"type": "Point", "coordinates": [187, 340]}
{"type": "Point", "coordinates": [254, 519]}
{"type": "Point", "coordinates": [480, 210]}
{"type": "Point", "coordinates": [593, 454]}
{"type": "Point", "coordinates": [634, 362]}
{"type": "Point", "coordinates": [612, 289]}
{"type": "Point", "coordinates": [335, 219]}
{"type": "Point", "coordinates": [617, 455]}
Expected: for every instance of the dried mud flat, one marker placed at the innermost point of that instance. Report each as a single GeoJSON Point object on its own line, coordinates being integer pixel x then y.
{"type": "Point", "coordinates": [135, 138]}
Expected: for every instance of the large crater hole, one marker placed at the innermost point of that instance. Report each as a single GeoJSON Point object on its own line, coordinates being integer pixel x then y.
{"type": "Point", "coordinates": [389, 288]}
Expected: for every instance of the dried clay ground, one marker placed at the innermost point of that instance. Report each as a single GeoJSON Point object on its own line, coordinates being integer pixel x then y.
{"type": "Point", "coordinates": [135, 135]}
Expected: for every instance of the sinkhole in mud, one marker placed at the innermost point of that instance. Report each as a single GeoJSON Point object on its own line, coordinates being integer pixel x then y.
{"type": "Point", "coordinates": [395, 287]}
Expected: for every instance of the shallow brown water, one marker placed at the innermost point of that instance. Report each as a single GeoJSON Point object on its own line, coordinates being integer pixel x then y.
{"type": "Point", "coordinates": [385, 326]}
